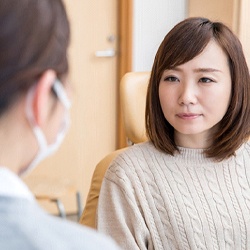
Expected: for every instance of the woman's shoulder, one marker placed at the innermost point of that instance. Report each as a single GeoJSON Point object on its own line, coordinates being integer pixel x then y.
{"type": "Point", "coordinates": [247, 147]}
{"type": "Point", "coordinates": [140, 151]}
{"type": "Point", "coordinates": [138, 158]}
{"type": "Point", "coordinates": [130, 157]}
{"type": "Point", "coordinates": [139, 161]}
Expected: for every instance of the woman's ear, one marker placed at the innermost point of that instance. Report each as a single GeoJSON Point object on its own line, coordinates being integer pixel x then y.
{"type": "Point", "coordinates": [41, 106]}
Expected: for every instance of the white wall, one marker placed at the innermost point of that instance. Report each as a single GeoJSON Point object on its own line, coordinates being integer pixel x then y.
{"type": "Point", "coordinates": [244, 30]}
{"type": "Point", "coordinates": [152, 19]}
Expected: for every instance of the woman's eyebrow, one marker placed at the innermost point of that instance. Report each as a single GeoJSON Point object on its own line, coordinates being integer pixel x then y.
{"type": "Point", "coordinates": [179, 69]}
{"type": "Point", "coordinates": [207, 70]}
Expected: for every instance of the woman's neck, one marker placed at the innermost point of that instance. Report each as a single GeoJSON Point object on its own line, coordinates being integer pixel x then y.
{"type": "Point", "coordinates": [17, 143]}
{"type": "Point", "coordinates": [200, 141]}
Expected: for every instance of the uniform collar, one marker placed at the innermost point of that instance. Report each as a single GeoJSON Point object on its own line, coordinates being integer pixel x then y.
{"type": "Point", "coordinates": [12, 186]}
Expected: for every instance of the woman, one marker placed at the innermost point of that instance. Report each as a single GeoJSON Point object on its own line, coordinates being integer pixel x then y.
{"type": "Point", "coordinates": [187, 187]}
{"type": "Point", "coordinates": [34, 109]}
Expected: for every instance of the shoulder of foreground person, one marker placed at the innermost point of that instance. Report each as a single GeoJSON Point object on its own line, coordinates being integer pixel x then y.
{"type": "Point", "coordinates": [81, 237]}
{"type": "Point", "coordinates": [24, 225]}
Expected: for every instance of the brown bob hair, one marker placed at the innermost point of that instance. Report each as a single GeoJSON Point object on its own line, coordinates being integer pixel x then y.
{"type": "Point", "coordinates": [184, 42]}
{"type": "Point", "coordinates": [34, 37]}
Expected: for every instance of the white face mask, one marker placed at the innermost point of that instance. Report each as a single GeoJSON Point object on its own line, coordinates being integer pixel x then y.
{"type": "Point", "coordinates": [46, 150]}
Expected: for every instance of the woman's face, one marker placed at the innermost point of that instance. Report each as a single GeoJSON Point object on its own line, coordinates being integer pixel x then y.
{"type": "Point", "coordinates": [195, 96]}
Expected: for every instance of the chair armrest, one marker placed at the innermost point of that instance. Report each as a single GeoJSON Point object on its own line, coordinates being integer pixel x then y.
{"type": "Point", "coordinates": [88, 217]}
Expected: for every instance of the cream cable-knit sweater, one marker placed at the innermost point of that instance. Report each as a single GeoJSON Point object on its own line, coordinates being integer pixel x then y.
{"type": "Point", "coordinates": [151, 200]}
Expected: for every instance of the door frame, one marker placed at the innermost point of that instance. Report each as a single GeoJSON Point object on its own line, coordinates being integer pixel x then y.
{"type": "Point", "coordinates": [125, 26]}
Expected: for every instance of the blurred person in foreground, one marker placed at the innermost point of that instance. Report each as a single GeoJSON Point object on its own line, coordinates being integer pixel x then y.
{"type": "Point", "coordinates": [34, 117]}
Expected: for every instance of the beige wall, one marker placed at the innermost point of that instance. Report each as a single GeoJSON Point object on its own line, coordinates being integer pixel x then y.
{"type": "Point", "coordinates": [234, 13]}
{"type": "Point", "coordinates": [244, 28]}
{"type": "Point", "coordinates": [219, 10]}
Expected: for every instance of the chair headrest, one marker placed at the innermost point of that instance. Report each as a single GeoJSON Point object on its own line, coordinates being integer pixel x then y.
{"type": "Point", "coordinates": [133, 92]}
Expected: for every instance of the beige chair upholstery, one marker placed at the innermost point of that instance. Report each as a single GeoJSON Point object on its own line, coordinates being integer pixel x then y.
{"type": "Point", "coordinates": [133, 88]}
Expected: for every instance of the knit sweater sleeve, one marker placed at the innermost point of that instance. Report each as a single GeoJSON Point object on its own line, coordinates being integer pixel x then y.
{"type": "Point", "coordinates": [119, 214]}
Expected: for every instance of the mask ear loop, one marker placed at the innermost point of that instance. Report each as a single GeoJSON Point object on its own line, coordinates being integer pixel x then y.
{"type": "Point", "coordinates": [63, 98]}
{"type": "Point", "coordinates": [30, 116]}
{"type": "Point", "coordinates": [46, 150]}
{"type": "Point", "coordinates": [60, 92]}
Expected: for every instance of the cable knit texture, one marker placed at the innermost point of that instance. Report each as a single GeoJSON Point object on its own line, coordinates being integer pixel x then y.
{"type": "Point", "coordinates": [151, 200]}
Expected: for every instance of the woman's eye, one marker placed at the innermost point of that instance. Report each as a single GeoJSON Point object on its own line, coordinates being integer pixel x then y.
{"type": "Point", "coordinates": [171, 79]}
{"type": "Point", "coordinates": [205, 80]}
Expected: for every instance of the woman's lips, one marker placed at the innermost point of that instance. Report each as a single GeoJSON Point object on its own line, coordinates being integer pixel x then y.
{"type": "Point", "coordinates": [188, 116]}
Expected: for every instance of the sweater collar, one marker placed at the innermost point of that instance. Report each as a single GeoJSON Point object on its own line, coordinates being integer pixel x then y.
{"type": "Point", "coordinates": [190, 155]}
{"type": "Point", "coordinates": [197, 156]}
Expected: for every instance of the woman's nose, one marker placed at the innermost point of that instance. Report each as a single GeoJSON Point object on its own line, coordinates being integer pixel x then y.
{"type": "Point", "coordinates": [188, 94]}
